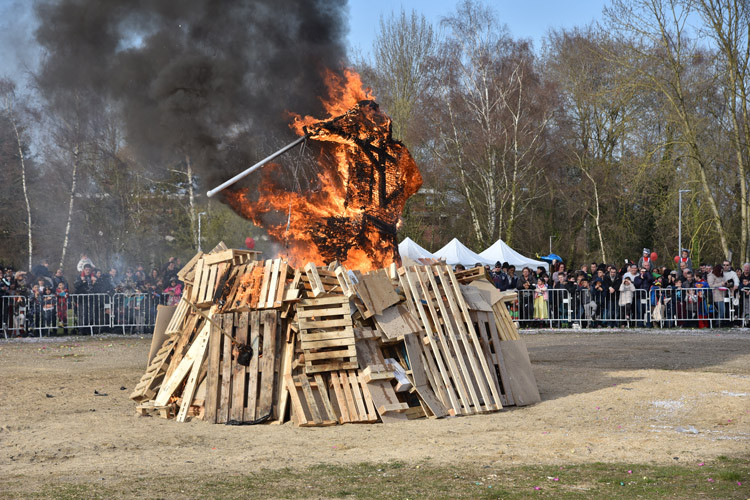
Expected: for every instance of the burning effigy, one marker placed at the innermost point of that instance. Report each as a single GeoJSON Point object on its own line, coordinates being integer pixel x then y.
{"type": "Point", "coordinates": [332, 330]}
{"type": "Point", "coordinates": [365, 178]}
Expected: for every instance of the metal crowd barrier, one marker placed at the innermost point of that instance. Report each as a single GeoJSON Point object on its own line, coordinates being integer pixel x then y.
{"type": "Point", "coordinates": [79, 313]}
{"type": "Point", "coordinates": [555, 308]}
{"type": "Point", "coordinates": [658, 308]}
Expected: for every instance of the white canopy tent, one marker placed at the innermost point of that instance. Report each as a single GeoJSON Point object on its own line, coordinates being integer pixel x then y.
{"type": "Point", "coordinates": [456, 252]}
{"type": "Point", "coordinates": [500, 251]}
{"type": "Point", "coordinates": [409, 248]}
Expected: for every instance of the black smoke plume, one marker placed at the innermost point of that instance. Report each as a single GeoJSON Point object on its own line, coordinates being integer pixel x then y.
{"type": "Point", "coordinates": [208, 79]}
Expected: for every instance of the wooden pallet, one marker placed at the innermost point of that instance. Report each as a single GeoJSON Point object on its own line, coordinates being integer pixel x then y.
{"type": "Point", "coordinates": [485, 326]}
{"type": "Point", "coordinates": [326, 334]}
{"type": "Point", "coordinates": [178, 318]}
{"type": "Point", "coordinates": [311, 403]}
{"type": "Point", "coordinates": [351, 399]}
{"type": "Point", "coordinates": [274, 282]}
{"type": "Point", "coordinates": [235, 392]}
{"type": "Point", "coordinates": [469, 275]}
{"type": "Point", "coordinates": [455, 359]}
{"type": "Point", "coordinates": [149, 383]}
{"type": "Point", "coordinates": [317, 281]}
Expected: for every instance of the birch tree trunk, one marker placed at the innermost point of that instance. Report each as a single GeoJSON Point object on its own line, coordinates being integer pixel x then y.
{"type": "Point", "coordinates": [23, 183]}
{"type": "Point", "coordinates": [74, 179]}
{"type": "Point", "coordinates": [191, 201]}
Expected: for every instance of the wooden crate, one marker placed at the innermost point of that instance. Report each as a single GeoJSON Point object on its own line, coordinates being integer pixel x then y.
{"type": "Point", "coordinates": [326, 334]}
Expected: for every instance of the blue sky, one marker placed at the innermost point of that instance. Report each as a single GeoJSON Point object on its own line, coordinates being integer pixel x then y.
{"type": "Point", "coordinates": [525, 18]}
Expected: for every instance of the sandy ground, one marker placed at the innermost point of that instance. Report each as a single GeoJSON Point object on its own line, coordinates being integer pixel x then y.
{"type": "Point", "coordinates": [625, 397]}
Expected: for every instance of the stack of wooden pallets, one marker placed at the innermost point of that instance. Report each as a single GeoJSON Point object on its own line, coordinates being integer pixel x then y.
{"type": "Point", "coordinates": [331, 345]}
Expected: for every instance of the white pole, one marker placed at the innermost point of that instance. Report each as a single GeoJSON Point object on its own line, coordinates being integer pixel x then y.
{"type": "Point", "coordinates": [255, 167]}
{"type": "Point", "coordinates": [679, 225]}
{"type": "Point", "coordinates": [679, 232]}
{"type": "Point", "coordinates": [199, 230]}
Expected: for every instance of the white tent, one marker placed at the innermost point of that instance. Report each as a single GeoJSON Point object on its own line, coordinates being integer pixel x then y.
{"type": "Point", "coordinates": [500, 251]}
{"type": "Point", "coordinates": [456, 253]}
{"type": "Point", "coordinates": [409, 248]}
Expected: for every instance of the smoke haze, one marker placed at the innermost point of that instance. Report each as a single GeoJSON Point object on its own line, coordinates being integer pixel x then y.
{"type": "Point", "coordinates": [207, 79]}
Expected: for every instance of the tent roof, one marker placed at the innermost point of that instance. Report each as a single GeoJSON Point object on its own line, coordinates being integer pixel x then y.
{"type": "Point", "coordinates": [408, 248]}
{"type": "Point", "coordinates": [456, 252]}
{"type": "Point", "coordinates": [500, 251]}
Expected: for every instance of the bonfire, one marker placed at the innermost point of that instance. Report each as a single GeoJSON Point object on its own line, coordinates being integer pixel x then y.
{"type": "Point", "coordinates": [364, 180]}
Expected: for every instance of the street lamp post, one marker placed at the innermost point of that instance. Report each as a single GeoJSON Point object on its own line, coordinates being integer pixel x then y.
{"type": "Point", "coordinates": [679, 234]}
{"type": "Point", "coordinates": [199, 230]}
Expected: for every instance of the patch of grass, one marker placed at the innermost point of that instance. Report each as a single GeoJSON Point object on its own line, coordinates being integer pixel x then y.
{"type": "Point", "coordinates": [729, 475]}
{"type": "Point", "coordinates": [399, 480]}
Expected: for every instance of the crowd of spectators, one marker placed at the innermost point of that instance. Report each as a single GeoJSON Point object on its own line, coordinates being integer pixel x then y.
{"type": "Point", "coordinates": [42, 299]}
{"type": "Point", "coordinates": [605, 295]}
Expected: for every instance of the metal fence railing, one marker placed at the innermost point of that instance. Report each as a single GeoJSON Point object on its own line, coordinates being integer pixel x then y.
{"type": "Point", "coordinates": [657, 308]}
{"type": "Point", "coordinates": [46, 315]}
{"type": "Point", "coordinates": [553, 308]}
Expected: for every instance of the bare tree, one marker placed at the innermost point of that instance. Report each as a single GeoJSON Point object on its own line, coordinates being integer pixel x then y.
{"type": "Point", "coordinates": [595, 114]}
{"type": "Point", "coordinates": [660, 54]}
{"type": "Point", "coordinates": [728, 23]}
{"type": "Point", "coordinates": [8, 93]}
{"type": "Point", "coordinates": [493, 122]}
{"type": "Point", "coordinates": [401, 72]}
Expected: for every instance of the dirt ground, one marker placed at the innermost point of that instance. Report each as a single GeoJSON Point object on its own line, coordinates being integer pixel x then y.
{"type": "Point", "coordinates": [636, 397]}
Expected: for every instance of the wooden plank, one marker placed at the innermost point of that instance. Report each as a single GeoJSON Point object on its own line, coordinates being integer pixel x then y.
{"type": "Point", "coordinates": [286, 368]}
{"type": "Point", "coordinates": [481, 323]}
{"type": "Point", "coordinates": [305, 313]}
{"type": "Point", "coordinates": [323, 390]}
{"type": "Point", "coordinates": [309, 398]}
{"type": "Point", "coordinates": [328, 367]}
{"type": "Point", "coordinates": [397, 321]}
{"type": "Point", "coordinates": [272, 284]}
{"type": "Point", "coordinates": [345, 282]}
{"type": "Point", "coordinates": [348, 396]}
{"type": "Point", "coordinates": [199, 268]}
{"type": "Point", "coordinates": [359, 401]}
{"type": "Point", "coordinates": [376, 291]}
{"type": "Point", "coordinates": [372, 414]}
{"type": "Point", "coordinates": [283, 270]}
{"type": "Point", "coordinates": [349, 352]}
{"type": "Point", "coordinates": [298, 412]}
{"type": "Point", "coordinates": [208, 279]}
{"type": "Point", "coordinates": [251, 412]}
{"type": "Point", "coordinates": [192, 382]}
{"type": "Point", "coordinates": [225, 396]}
{"type": "Point", "coordinates": [495, 339]}
{"type": "Point", "coordinates": [419, 375]}
{"type": "Point", "coordinates": [522, 381]}
{"type": "Point", "coordinates": [264, 283]}
{"type": "Point", "coordinates": [308, 324]}
{"type": "Point", "coordinates": [216, 258]}
{"type": "Point", "coordinates": [212, 383]}
{"type": "Point", "coordinates": [269, 321]}
{"type": "Point", "coordinates": [340, 398]}
{"type": "Point", "coordinates": [239, 372]}
{"type": "Point", "coordinates": [171, 385]}
{"type": "Point", "coordinates": [175, 323]}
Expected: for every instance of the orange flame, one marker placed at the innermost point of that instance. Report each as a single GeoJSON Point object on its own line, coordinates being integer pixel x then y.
{"type": "Point", "coordinates": [363, 184]}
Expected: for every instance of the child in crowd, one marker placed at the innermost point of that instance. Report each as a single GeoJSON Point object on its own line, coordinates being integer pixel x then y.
{"type": "Point", "coordinates": [627, 290]}
{"type": "Point", "coordinates": [540, 300]}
